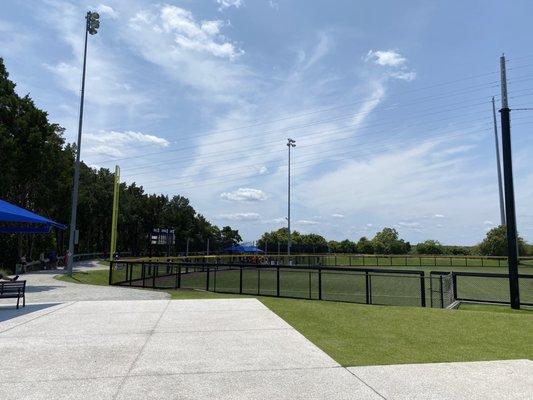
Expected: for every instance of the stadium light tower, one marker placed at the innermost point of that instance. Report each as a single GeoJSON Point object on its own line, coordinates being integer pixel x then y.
{"type": "Point", "coordinates": [92, 23]}
{"type": "Point", "coordinates": [290, 143]}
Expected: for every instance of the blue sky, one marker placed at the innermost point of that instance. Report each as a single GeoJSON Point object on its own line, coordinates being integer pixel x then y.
{"type": "Point", "coordinates": [389, 103]}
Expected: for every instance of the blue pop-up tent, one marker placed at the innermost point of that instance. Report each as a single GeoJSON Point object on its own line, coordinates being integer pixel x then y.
{"type": "Point", "coordinates": [243, 249]}
{"type": "Point", "coordinates": [20, 220]}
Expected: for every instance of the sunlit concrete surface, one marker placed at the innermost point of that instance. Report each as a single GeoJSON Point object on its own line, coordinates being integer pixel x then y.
{"type": "Point", "coordinates": [159, 349]}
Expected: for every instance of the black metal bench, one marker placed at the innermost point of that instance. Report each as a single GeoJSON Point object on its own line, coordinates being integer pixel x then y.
{"type": "Point", "coordinates": [14, 290]}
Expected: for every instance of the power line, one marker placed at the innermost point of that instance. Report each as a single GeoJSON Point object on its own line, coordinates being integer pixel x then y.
{"type": "Point", "coordinates": [312, 135]}
{"type": "Point", "coordinates": [424, 99]}
{"type": "Point", "coordinates": [311, 161]}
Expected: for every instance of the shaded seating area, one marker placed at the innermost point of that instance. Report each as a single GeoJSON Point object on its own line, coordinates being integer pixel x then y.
{"type": "Point", "coordinates": [14, 219]}
{"type": "Point", "coordinates": [17, 220]}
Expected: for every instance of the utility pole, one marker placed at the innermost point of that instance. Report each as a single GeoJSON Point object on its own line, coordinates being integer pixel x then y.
{"type": "Point", "coordinates": [512, 246]}
{"type": "Point", "coordinates": [92, 23]}
{"type": "Point", "coordinates": [290, 143]}
{"type": "Point", "coordinates": [498, 162]}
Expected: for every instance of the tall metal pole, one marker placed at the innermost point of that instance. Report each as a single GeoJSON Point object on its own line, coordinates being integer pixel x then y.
{"type": "Point", "coordinates": [74, 205]}
{"type": "Point", "coordinates": [499, 167]}
{"type": "Point", "coordinates": [512, 245]}
{"type": "Point", "coordinates": [290, 143]}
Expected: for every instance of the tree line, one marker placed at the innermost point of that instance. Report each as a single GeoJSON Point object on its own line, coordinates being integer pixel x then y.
{"type": "Point", "coordinates": [387, 241]}
{"type": "Point", "coordinates": [37, 167]}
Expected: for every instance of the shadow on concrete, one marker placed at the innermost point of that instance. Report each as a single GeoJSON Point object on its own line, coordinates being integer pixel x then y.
{"type": "Point", "coordinates": [8, 312]}
{"type": "Point", "coordinates": [42, 288]}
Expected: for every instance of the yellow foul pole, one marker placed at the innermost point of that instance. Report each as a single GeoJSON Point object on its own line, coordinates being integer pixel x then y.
{"type": "Point", "coordinates": [114, 219]}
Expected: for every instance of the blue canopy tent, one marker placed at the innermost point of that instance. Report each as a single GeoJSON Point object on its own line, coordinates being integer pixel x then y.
{"type": "Point", "coordinates": [243, 249]}
{"type": "Point", "coordinates": [20, 220]}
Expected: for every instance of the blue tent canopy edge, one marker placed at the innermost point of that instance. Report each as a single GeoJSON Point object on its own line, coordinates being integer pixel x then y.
{"type": "Point", "coordinates": [36, 223]}
{"type": "Point", "coordinates": [240, 249]}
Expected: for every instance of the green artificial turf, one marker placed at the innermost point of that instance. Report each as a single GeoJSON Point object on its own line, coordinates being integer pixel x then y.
{"type": "Point", "coordinates": [355, 334]}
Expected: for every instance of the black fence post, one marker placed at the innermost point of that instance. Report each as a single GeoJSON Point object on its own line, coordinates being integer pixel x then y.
{"type": "Point", "coordinates": [143, 274]}
{"type": "Point", "coordinates": [320, 284]}
{"type": "Point", "coordinates": [155, 269]}
{"type": "Point", "coordinates": [258, 280]}
{"type": "Point", "coordinates": [207, 280]}
{"type": "Point", "coordinates": [367, 287]}
{"type": "Point", "coordinates": [130, 273]}
{"type": "Point", "coordinates": [179, 276]}
{"type": "Point", "coordinates": [431, 289]}
{"type": "Point", "coordinates": [111, 272]}
{"type": "Point", "coordinates": [454, 283]}
{"type": "Point", "coordinates": [240, 281]}
{"type": "Point", "coordinates": [441, 288]}
{"type": "Point", "coordinates": [309, 284]}
{"type": "Point", "coordinates": [277, 281]}
{"type": "Point", "coordinates": [422, 289]}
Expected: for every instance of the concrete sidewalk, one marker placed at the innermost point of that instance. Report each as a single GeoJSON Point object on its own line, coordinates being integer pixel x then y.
{"type": "Point", "coordinates": [42, 287]}
{"type": "Point", "coordinates": [188, 349]}
{"type": "Point", "coordinates": [209, 349]}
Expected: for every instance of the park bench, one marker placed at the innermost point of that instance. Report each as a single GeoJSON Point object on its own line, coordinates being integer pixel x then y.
{"type": "Point", "coordinates": [14, 290]}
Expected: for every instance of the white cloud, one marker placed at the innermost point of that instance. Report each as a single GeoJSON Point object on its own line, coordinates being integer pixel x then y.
{"type": "Point", "coordinates": [339, 216]}
{"type": "Point", "coordinates": [439, 216]}
{"type": "Point", "coordinates": [488, 223]}
{"type": "Point", "coordinates": [201, 36]}
{"type": "Point", "coordinates": [390, 58]}
{"type": "Point", "coordinates": [245, 194]}
{"type": "Point", "coordinates": [410, 225]}
{"type": "Point", "coordinates": [306, 222]}
{"type": "Point", "coordinates": [241, 216]}
{"type": "Point", "coordinates": [119, 144]}
{"type": "Point", "coordinates": [394, 60]}
{"type": "Point", "coordinates": [403, 75]}
{"type": "Point", "coordinates": [229, 3]}
{"type": "Point", "coordinates": [108, 11]}
{"type": "Point", "coordinates": [195, 53]}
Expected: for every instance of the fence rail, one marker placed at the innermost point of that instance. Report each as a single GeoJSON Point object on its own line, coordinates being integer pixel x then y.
{"type": "Point", "coordinates": [344, 260]}
{"type": "Point", "coordinates": [356, 285]}
{"type": "Point", "coordinates": [362, 285]}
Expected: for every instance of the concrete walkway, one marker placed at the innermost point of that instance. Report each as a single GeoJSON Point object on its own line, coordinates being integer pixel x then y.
{"type": "Point", "coordinates": [144, 346]}
{"type": "Point", "coordinates": [161, 349]}
{"type": "Point", "coordinates": [42, 287]}
{"type": "Point", "coordinates": [210, 349]}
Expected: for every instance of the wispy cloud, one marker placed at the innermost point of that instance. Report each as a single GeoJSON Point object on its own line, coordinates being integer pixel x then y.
{"type": "Point", "coordinates": [251, 216]}
{"type": "Point", "coordinates": [119, 144]}
{"type": "Point", "coordinates": [390, 58]}
{"type": "Point", "coordinates": [223, 4]}
{"type": "Point", "coordinates": [244, 194]}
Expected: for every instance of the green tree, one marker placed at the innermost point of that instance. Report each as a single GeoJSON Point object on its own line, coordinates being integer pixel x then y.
{"type": "Point", "coordinates": [230, 237]}
{"type": "Point", "coordinates": [430, 247]}
{"type": "Point", "coordinates": [495, 243]}
{"type": "Point", "coordinates": [388, 242]}
{"type": "Point", "coordinates": [365, 246]}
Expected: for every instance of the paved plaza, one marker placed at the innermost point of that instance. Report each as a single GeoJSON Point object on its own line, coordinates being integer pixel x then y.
{"type": "Point", "coordinates": [209, 349]}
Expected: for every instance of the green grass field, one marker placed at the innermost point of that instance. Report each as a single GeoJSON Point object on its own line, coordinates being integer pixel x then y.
{"type": "Point", "coordinates": [355, 334]}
